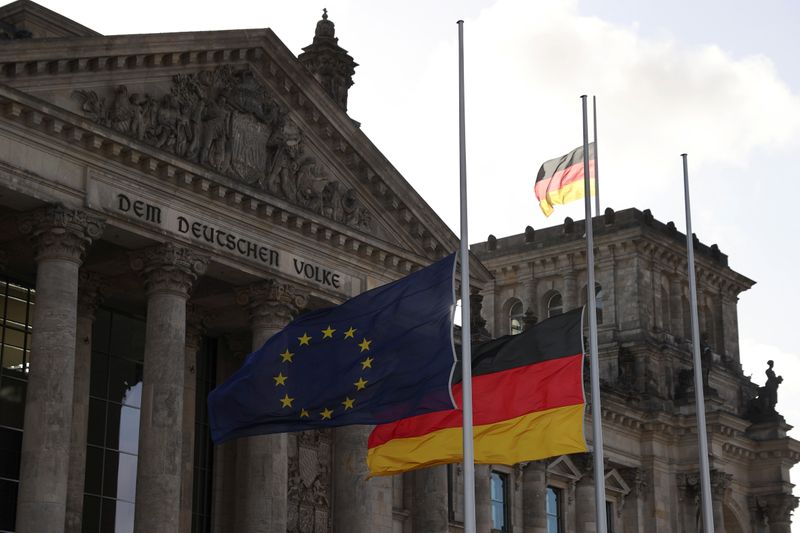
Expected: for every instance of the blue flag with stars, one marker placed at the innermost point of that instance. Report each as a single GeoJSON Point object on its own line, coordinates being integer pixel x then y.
{"type": "Point", "coordinates": [384, 355]}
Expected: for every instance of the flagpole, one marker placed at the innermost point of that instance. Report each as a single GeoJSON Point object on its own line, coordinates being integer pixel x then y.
{"type": "Point", "coordinates": [596, 157]}
{"type": "Point", "coordinates": [705, 476]}
{"type": "Point", "coordinates": [597, 427]}
{"type": "Point", "coordinates": [466, 345]}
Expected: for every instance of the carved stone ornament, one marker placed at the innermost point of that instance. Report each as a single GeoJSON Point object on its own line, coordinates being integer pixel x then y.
{"type": "Point", "coordinates": [225, 120]}
{"type": "Point", "coordinates": [90, 293]}
{"type": "Point", "coordinates": [59, 232]}
{"type": "Point", "coordinates": [169, 268]}
{"type": "Point", "coordinates": [309, 482]}
{"type": "Point", "coordinates": [777, 508]}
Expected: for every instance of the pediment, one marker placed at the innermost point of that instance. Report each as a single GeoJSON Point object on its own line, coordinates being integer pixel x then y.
{"type": "Point", "coordinates": [615, 483]}
{"type": "Point", "coordinates": [249, 114]}
{"type": "Point", "coordinates": [565, 468]}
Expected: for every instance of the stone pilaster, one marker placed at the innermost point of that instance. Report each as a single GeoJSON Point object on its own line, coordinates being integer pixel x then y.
{"type": "Point", "coordinates": [632, 504]}
{"type": "Point", "coordinates": [720, 489]}
{"type": "Point", "coordinates": [483, 497]}
{"type": "Point", "coordinates": [262, 461]}
{"type": "Point", "coordinates": [360, 505]}
{"type": "Point", "coordinates": [534, 497]}
{"type": "Point", "coordinates": [676, 306]}
{"type": "Point", "coordinates": [194, 337]}
{"type": "Point", "coordinates": [61, 237]}
{"type": "Point", "coordinates": [430, 500]}
{"type": "Point", "coordinates": [89, 297]}
{"type": "Point", "coordinates": [778, 510]}
{"type": "Point", "coordinates": [570, 296]}
{"type": "Point", "coordinates": [169, 272]}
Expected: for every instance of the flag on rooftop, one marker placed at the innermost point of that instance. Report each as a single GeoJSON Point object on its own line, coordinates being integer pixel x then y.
{"type": "Point", "coordinates": [528, 405]}
{"type": "Point", "coordinates": [383, 355]}
{"type": "Point", "coordinates": [560, 180]}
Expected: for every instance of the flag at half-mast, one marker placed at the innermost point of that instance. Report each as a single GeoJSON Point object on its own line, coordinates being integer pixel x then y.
{"type": "Point", "coordinates": [528, 405]}
{"type": "Point", "coordinates": [383, 355]}
{"type": "Point", "coordinates": [560, 180]}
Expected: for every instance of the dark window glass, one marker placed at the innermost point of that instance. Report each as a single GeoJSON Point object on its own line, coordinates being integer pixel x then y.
{"type": "Point", "coordinates": [16, 308]}
{"type": "Point", "coordinates": [204, 449]}
{"type": "Point", "coordinates": [609, 517]}
{"type": "Point", "coordinates": [91, 514]}
{"type": "Point", "coordinates": [499, 496]}
{"type": "Point", "coordinates": [113, 437]}
{"type": "Point", "coordinates": [553, 510]}
{"type": "Point", "coordinates": [515, 318]}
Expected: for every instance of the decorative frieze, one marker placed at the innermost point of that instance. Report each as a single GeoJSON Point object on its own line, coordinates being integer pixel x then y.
{"type": "Point", "coordinates": [59, 232]}
{"type": "Point", "coordinates": [223, 119]}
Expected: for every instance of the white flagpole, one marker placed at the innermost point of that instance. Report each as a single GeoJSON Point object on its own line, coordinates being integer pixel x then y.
{"type": "Point", "coordinates": [597, 428]}
{"type": "Point", "coordinates": [700, 403]}
{"type": "Point", "coordinates": [596, 157]}
{"type": "Point", "coordinates": [466, 345]}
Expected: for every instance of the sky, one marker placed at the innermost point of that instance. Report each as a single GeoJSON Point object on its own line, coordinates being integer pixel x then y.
{"type": "Point", "coordinates": [715, 79]}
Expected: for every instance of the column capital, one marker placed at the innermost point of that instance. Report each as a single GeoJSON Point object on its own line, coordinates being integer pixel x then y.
{"type": "Point", "coordinates": [59, 232]}
{"type": "Point", "coordinates": [777, 507]}
{"type": "Point", "coordinates": [169, 268]}
{"type": "Point", "coordinates": [90, 293]}
{"type": "Point", "coordinates": [271, 303]}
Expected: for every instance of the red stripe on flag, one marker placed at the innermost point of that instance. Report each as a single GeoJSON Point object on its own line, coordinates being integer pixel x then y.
{"type": "Point", "coordinates": [499, 396]}
{"type": "Point", "coordinates": [561, 179]}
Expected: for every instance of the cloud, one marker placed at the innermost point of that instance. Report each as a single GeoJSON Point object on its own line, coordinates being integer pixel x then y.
{"type": "Point", "coordinates": [526, 65]}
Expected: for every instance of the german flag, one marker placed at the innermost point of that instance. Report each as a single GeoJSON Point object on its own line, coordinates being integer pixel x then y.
{"type": "Point", "coordinates": [560, 180]}
{"type": "Point", "coordinates": [528, 404]}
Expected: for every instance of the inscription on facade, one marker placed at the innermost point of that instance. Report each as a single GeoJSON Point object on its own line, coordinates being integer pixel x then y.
{"type": "Point", "coordinates": [216, 235]}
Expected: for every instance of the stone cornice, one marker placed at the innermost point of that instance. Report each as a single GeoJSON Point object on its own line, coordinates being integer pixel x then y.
{"type": "Point", "coordinates": [349, 148]}
{"type": "Point", "coordinates": [66, 127]}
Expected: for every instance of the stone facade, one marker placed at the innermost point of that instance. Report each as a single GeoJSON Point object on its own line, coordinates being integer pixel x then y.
{"type": "Point", "coordinates": [168, 203]}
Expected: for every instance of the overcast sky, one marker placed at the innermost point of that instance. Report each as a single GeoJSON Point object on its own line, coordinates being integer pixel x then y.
{"type": "Point", "coordinates": [716, 79]}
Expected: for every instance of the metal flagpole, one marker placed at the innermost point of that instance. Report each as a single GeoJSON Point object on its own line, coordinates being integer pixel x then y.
{"type": "Point", "coordinates": [466, 345]}
{"type": "Point", "coordinates": [705, 476]}
{"type": "Point", "coordinates": [596, 164]}
{"type": "Point", "coordinates": [597, 428]}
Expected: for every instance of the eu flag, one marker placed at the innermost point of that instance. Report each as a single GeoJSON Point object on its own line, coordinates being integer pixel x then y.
{"type": "Point", "coordinates": [384, 355]}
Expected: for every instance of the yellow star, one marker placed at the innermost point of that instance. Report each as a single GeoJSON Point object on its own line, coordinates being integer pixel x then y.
{"type": "Point", "coordinates": [328, 333]}
{"type": "Point", "coordinates": [304, 413]}
{"type": "Point", "coordinates": [348, 403]}
{"type": "Point", "coordinates": [286, 357]}
{"type": "Point", "coordinates": [280, 379]}
{"type": "Point", "coordinates": [361, 383]}
{"type": "Point", "coordinates": [304, 340]}
{"type": "Point", "coordinates": [349, 333]}
{"type": "Point", "coordinates": [326, 414]}
{"type": "Point", "coordinates": [286, 401]}
{"type": "Point", "coordinates": [366, 363]}
{"type": "Point", "coordinates": [364, 345]}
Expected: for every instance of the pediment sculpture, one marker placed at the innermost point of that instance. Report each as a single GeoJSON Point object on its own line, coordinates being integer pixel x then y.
{"type": "Point", "coordinates": [225, 120]}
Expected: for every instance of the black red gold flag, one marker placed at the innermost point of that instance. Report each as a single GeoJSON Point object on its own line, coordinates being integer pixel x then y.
{"type": "Point", "coordinates": [560, 180]}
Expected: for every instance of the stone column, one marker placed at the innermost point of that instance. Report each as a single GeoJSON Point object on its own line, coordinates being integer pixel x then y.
{"type": "Point", "coordinates": [169, 272]}
{"type": "Point", "coordinates": [430, 500]}
{"type": "Point", "coordinates": [585, 519]}
{"type": "Point", "coordinates": [720, 486]}
{"type": "Point", "coordinates": [360, 505]}
{"type": "Point", "coordinates": [483, 498]}
{"type": "Point", "coordinates": [534, 497]}
{"type": "Point", "coordinates": [88, 300]}
{"type": "Point", "coordinates": [194, 336]}
{"type": "Point", "coordinates": [778, 508]}
{"type": "Point", "coordinates": [262, 461]}
{"type": "Point", "coordinates": [61, 237]}
{"type": "Point", "coordinates": [570, 296]}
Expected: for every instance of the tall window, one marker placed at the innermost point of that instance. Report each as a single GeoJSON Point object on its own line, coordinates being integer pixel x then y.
{"type": "Point", "coordinates": [516, 319]}
{"type": "Point", "coordinates": [553, 511]}
{"type": "Point", "coordinates": [609, 517]}
{"type": "Point", "coordinates": [203, 447]}
{"type": "Point", "coordinates": [499, 491]}
{"type": "Point", "coordinates": [115, 394]}
{"type": "Point", "coordinates": [555, 305]}
{"type": "Point", "coordinates": [16, 310]}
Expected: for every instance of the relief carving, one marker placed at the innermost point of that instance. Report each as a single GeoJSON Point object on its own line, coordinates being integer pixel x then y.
{"type": "Point", "coordinates": [224, 120]}
{"type": "Point", "coordinates": [309, 482]}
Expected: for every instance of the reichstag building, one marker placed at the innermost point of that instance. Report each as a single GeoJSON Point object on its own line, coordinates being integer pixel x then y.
{"type": "Point", "coordinates": [169, 201]}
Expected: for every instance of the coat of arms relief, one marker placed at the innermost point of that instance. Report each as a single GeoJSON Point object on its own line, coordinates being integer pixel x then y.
{"type": "Point", "coordinates": [225, 120]}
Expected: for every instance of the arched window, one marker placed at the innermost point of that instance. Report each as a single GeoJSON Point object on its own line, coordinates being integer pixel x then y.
{"type": "Point", "coordinates": [555, 305]}
{"type": "Point", "coordinates": [516, 324]}
{"type": "Point", "coordinates": [598, 300]}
